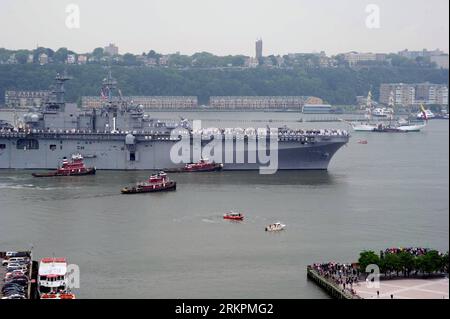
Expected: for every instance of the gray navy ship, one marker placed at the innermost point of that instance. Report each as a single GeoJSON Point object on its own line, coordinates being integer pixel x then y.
{"type": "Point", "coordinates": [121, 136]}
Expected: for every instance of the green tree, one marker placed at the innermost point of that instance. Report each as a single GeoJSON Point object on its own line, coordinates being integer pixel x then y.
{"type": "Point", "coordinates": [407, 262]}
{"type": "Point", "coordinates": [445, 263]}
{"type": "Point", "coordinates": [129, 59]}
{"type": "Point", "coordinates": [60, 55]}
{"type": "Point", "coordinates": [178, 60]}
{"type": "Point", "coordinates": [98, 53]}
{"type": "Point", "coordinates": [391, 263]}
{"type": "Point", "coordinates": [433, 261]}
{"type": "Point", "coordinates": [22, 56]}
{"type": "Point", "coordinates": [367, 258]}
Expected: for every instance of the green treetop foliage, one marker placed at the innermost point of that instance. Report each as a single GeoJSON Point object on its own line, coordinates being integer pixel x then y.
{"type": "Point", "coordinates": [338, 86]}
{"type": "Point", "coordinates": [405, 262]}
{"type": "Point", "coordinates": [98, 53]}
{"type": "Point", "coordinates": [391, 263]}
{"type": "Point", "coordinates": [367, 258]}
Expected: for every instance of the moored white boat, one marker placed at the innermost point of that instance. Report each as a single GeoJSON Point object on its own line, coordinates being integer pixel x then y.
{"type": "Point", "coordinates": [383, 112]}
{"type": "Point", "coordinates": [363, 127]}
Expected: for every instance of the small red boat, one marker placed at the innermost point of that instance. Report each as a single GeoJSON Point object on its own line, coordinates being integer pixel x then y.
{"type": "Point", "coordinates": [75, 167]}
{"type": "Point", "coordinates": [362, 142]}
{"type": "Point", "coordinates": [156, 183]}
{"type": "Point", "coordinates": [233, 216]}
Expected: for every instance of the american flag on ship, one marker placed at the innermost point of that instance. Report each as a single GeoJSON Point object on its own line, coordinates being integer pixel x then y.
{"type": "Point", "coordinates": [424, 112]}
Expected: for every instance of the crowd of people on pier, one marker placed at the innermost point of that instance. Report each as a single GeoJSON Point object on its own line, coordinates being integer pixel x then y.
{"type": "Point", "coordinates": [343, 275]}
{"type": "Point", "coordinates": [415, 251]}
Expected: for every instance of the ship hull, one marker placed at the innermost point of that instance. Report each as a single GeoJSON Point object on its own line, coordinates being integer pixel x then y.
{"type": "Point", "coordinates": [110, 152]}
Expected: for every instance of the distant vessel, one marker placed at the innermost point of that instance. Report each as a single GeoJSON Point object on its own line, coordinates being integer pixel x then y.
{"type": "Point", "coordinates": [383, 112]}
{"type": "Point", "coordinates": [156, 183]}
{"type": "Point", "coordinates": [233, 216]}
{"type": "Point", "coordinates": [75, 167]}
{"type": "Point", "coordinates": [365, 126]}
{"type": "Point", "coordinates": [275, 227]}
{"type": "Point", "coordinates": [400, 126]}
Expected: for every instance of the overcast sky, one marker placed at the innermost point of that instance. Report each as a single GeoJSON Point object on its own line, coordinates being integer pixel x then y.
{"type": "Point", "coordinates": [226, 26]}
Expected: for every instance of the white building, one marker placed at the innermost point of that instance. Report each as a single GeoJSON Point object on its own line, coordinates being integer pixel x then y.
{"type": "Point", "coordinates": [71, 59]}
{"type": "Point", "coordinates": [111, 49]}
{"type": "Point", "coordinates": [82, 59]}
{"type": "Point", "coordinates": [163, 60]}
{"type": "Point", "coordinates": [43, 59]}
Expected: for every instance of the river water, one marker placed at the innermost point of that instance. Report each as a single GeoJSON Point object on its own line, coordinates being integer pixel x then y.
{"type": "Point", "coordinates": [392, 191]}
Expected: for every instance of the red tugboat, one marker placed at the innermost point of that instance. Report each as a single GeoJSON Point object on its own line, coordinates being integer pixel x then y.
{"type": "Point", "coordinates": [156, 183]}
{"type": "Point", "coordinates": [204, 165]}
{"type": "Point", "coordinates": [75, 167]}
{"type": "Point", "coordinates": [233, 216]}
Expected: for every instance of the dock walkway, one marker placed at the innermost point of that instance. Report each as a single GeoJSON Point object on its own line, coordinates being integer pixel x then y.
{"type": "Point", "coordinates": [334, 290]}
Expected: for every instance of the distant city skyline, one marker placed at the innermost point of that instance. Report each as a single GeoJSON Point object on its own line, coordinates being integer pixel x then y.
{"type": "Point", "coordinates": [227, 27]}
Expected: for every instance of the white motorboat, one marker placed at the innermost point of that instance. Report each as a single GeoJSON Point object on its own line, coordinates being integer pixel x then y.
{"type": "Point", "coordinates": [275, 227]}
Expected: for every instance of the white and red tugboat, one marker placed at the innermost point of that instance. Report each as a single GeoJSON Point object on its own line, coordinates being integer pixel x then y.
{"type": "Point", "coordinates": [75, 167]}
{"type": "Point", "coordinates": [156, 183]}
{"type": "Point", "coordinates": [203, 165]}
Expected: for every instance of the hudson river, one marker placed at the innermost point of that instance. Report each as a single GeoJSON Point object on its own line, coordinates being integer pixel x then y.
{"type": "Point", "coordinates": [393, 191]}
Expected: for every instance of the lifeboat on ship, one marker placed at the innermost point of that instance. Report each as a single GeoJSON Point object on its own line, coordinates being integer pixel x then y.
{"type": "Point", "coordinates": [156, 183]}
{"type": "Point", "coordinates": [75, 167]}
{"type": "Point", "coordinates": [233, 216]}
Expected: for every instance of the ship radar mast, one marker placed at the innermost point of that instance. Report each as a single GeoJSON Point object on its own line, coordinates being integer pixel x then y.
{"type": "Point", "coordinates": [108, 93]}
{"type": "Point", "coordinates": [57, 99]}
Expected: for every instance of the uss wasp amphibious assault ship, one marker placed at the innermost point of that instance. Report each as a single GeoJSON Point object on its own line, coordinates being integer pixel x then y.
{"type": "Point", "coordinates": [121, 136]}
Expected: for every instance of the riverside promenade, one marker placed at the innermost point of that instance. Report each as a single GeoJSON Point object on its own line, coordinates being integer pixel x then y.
{"type": "Point", "coordinates": [398, 288]}
{"type": "Point", "coordinates": [406, 288]}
